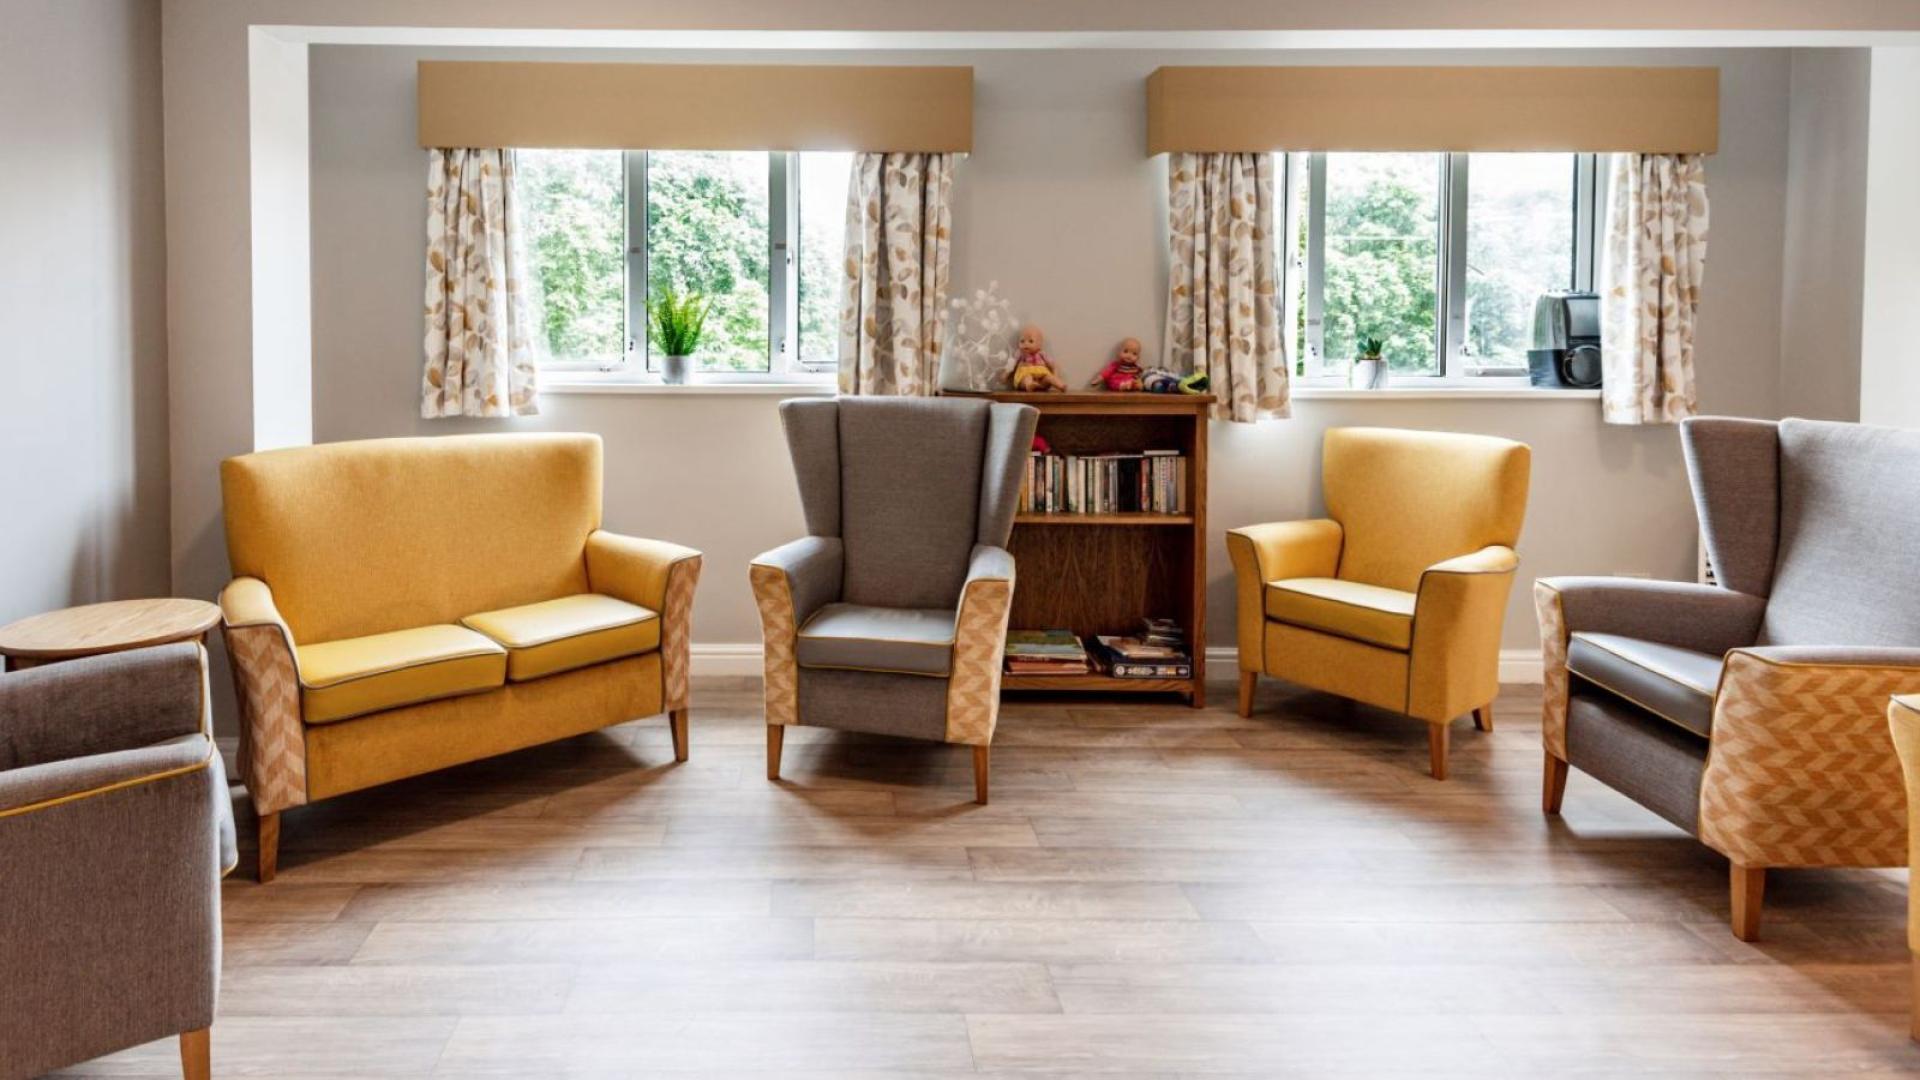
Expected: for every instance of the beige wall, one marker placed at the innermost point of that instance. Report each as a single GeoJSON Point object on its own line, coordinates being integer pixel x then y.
{"type": "Point", "coordinates": [1061, 205]}
{"type": "Point", "coordinates": [83, 419]}
{"type": "Point", "coordinates": [1889, 363]}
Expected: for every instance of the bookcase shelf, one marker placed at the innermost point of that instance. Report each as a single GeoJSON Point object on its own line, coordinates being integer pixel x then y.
{"type": "Point", "coordinates": [1104, 573]}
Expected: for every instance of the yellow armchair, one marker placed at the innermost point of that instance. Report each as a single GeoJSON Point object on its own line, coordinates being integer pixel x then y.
{"type": "Point", "coordinates": [1396, 598]}
{"type": "Point", "coordinates": [1904, 718]}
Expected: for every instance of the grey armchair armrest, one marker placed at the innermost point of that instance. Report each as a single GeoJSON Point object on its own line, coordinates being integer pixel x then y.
{"type": "Point", "coordinates": [115, 827]}
{"type": "Point", "coordinates": [1705, 618]}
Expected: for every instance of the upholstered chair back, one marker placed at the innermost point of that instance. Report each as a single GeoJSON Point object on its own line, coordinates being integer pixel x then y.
{"type": "Point", "coordinates": [1818, 517]}
{"type": "Point", "coordinates": [358, 538]}
{"type": "Point", "coordinates": [1409, 499]}
{"type": "Point", "coordinates": [909, 485]}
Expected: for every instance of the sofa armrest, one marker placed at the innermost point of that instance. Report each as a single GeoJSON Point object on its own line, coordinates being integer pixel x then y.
{"type": "Point", "coordinates": [790, 583]}
{"type": "Point", "coordinates": [657, 575]}
{"type": "Point", "coordinates": [1704, 618]}
{"type": "Point", "coordinates": [979, 645]}
{"type": "Point", "coordinates": [1458, 611]}
{"type": "Point", "coordinates": [100, 704]}
{"type": "Point", "coordinates": [1903, 718]}
{"type": "Point", "coordinates": [266, 683]}
{"type": "Point", "coordinates": [1801, 769]}
{"type": "Point", "coordinates": [1271, 552]}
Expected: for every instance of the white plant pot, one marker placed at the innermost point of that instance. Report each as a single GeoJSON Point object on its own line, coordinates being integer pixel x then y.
{"type": "Point", "coordinates": [1369, 374]}
{"type": "Point", "coordinates": [674, 369]}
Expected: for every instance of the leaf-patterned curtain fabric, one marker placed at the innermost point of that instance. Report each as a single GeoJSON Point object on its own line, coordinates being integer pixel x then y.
{"type": "Point", "coordinates": [1651, 268]}
{"type": "Point", "coordinates": [480, 359]}
{"type": "Point", "coordinates": [893, 308]}
{"type": "Point", "coordinates": [1223, 315]}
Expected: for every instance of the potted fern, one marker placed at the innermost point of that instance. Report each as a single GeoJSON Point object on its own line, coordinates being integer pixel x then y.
{"type": "Point", "coordinates": [1370, 365]}
{"type": "Point", "coordinates": [678, 318]}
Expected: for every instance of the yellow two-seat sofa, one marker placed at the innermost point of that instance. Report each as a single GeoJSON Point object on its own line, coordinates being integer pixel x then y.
{"type": "Point", "coordinates": [403, 605]}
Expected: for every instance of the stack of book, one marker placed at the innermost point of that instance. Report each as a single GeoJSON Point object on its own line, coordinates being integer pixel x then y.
{"type": "Point", "coordinates": [1150, 482]}
{"type": "Point", "coordinates": [1158, 651]}
{"type": "Point", "coordinates": [1046, 652]}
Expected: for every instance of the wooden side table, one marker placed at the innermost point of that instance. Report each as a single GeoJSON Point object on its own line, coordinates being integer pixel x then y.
{"type": "Point", "coordinates": [114, 626]}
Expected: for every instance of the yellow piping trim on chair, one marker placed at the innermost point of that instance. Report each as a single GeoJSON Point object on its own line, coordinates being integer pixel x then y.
{"type": "Point", "coordinates": [117, 785]}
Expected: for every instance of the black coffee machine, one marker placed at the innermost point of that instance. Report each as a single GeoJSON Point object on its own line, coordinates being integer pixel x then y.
{"type": "Point", "coordinates": [1566, 341]}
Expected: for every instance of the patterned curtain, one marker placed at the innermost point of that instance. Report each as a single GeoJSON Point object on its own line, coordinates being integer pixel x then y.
{"type": "Point", "coordinates": [1651, 268]}
{"type": "Point", "coordinates": [480, 359]}
{"type": "Point", "coordinates": [1223, 312]}
{"type": "Point", "coordinates": [893, 309]}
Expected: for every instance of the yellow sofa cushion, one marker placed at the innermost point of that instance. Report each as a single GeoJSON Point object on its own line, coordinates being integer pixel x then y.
{"type": "Point", "coordinates": [354, 676]}
{"type": "Point", "coordinates": [571, 632]}
{"type": "Point", "coordinates": [1351, 609]}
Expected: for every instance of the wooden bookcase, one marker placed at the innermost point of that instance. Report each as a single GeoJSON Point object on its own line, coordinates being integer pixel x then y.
{"type": "Point", "coordinates": [1103, 573]}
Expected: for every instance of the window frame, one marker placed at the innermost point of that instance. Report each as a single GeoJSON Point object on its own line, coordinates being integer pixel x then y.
{"type": "Point", "coordinates": [1452, 367]}
{"type": "Point", "coordinates": [785, 365]}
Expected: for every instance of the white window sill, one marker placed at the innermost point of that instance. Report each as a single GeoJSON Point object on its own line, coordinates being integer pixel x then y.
{"type": "Point", "coordinates": [584, 383]}
{"type": "Point", "coordinates": [1442, 393]}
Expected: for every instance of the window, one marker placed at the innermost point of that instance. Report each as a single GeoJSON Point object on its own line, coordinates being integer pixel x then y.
{"type": "Point", "coordinates": [1440, 256]}
{"type": "Point", "coordinates": [759, 234]}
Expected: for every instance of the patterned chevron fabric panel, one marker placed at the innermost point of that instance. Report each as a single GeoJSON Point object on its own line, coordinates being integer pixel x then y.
{"type": "Point", "coordinates": [275, 762]}
{"type": "Point", "coordinates": [676, 631]}
{"type": "Point", "coordinates": [1802, 770]}
{"type": "Point", "coordinates": [1553, 669]}
{"type": "Point", "coordinates": [774, 597]}
{"type": "Point", "coordinates": [980, 637]}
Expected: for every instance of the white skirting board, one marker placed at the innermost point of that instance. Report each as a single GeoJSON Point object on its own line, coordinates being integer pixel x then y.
{"type": "Point", "coordinates": [743, 660]}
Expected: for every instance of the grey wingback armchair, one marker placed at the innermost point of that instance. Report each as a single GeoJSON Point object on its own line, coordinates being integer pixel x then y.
{"type": "Point", "coordinates": [1752, 712]}
{"type": "Point", "coordinates": [890, 616]}
{"type": "Point", "coordinates": [115, 828]}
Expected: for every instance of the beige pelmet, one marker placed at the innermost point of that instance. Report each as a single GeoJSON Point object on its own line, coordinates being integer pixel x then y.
{"type": "Point", "coordinates": [1223, 315]}
{"type": "Point", "coordinates": [893, 310]}
{"type": "Point", "coordinates": [1652, 265]}
{"type": "Point", "coordinates": [479, 357]}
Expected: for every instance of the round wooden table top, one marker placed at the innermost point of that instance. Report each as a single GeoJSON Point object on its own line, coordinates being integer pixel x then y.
{"type": "Point", "coordinates": [104, 628]}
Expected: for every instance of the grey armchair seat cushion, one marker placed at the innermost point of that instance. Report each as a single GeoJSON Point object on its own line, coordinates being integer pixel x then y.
{"type": "Point", "coordinates": [1652, 761]}
{"type": "Point", "coordinates": [1675, 684]}
{"type": "Point", "coordinates": [865, 637]}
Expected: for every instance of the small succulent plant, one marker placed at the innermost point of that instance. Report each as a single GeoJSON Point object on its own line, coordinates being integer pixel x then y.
{"type": "Point", "coordinates": [1371, 348]}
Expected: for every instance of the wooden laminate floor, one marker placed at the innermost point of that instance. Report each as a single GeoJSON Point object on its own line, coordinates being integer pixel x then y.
{"type": "Point", "coordinates": [1155, 892]}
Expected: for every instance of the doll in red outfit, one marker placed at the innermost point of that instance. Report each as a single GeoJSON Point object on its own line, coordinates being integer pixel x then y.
{"type": "Point", "coordinates": [1123, 371]}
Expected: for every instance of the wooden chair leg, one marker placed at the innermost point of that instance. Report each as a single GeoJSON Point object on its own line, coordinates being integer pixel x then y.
{"type": "Point", "coordinates": [1749, 885]}
{"type": "Point", "coordinates": [1248, 679]}
{"type": "Point", "coordinates": [269, 845]}
{"type": "Point", "coordinates": [678, 718]}
{"type": "Point", "coordinates": [982, 757]}
{"type": "Point", "coordinates": [196, 1054]}
{"type": "Point", "coordinates": [776, 735]}
{"type": "Point", "coordinates": [1437, 750]}
{"type": "Point", "coordinates": [1483, 717]}
{"type": "Point", "coordinates": [1553, 787]}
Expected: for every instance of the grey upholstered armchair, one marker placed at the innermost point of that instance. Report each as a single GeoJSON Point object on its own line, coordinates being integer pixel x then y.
{"type": "Point", "coordinates": [1752, 712]}
{"type": "Point", "coordinates": [115, 828]}
{"type": "Point", "coordinates": [890, 616]}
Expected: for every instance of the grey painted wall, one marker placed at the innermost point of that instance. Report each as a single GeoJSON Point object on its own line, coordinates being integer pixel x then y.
{"type": "Point", "coordinates": [1824, 262]}
{"type": "Point", "coordinates": [1059, 203]}
{"type": "Point", "coordinates": [83, 420]}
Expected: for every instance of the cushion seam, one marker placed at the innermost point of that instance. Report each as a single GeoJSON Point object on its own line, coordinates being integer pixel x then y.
{"type": "Point", "coordinates": [648, 617]}
{"type": "Point", "coordinates": [1344, 637]}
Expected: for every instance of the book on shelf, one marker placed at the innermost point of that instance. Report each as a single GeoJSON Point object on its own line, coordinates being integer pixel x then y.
{"type": "Point", "coordinates": [1152, 481]}
{"type": "Point", "coordinates": [1046, 652]}
{"type": "Point", "coordinates": [1158, 651]}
